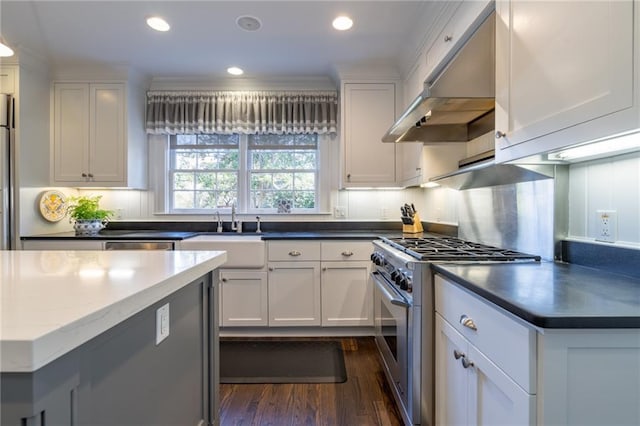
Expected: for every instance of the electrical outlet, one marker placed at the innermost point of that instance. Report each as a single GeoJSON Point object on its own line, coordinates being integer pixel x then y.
{"type": "Point", "coordinates": [606, 225]}
{"type": "Point", "coordinates": [339, 212]}
{"type": "Point", "coordinates": [162, 323]}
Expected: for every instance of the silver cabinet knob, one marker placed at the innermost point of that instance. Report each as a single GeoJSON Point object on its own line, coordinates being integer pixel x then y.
{"type": "Point", "coordinates": [457, 354]}
{"type": "Point", "coordinates": [447, 38]}
{"type": "Point", "coordinates": [224, 280]}
{"type": "Point", "coordinates": [466, 363]}
{"type": "Point", "coordinates": [468, 322]}
{"type": "Point", "coordinates": [500, 134]}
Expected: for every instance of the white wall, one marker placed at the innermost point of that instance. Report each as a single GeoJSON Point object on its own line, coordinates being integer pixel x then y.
{"type": "Point", "coordinates": [607, 184]}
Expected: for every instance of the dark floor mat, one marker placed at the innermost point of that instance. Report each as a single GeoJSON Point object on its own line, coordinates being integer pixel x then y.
{"type": "Point", "coordinates": [281, 361]}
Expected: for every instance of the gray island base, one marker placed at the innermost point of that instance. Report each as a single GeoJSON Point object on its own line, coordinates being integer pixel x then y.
{"type": "Point", "coordinates": [121, 377]}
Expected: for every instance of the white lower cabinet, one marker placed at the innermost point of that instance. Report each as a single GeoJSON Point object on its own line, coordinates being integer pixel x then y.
{"type": "Point", "coordinates": [243, 298]}
{"type": "Point", "coordinates": [485, 362]}
{"type": "Point", "coordinates": [347, 296]}
{"type": "Point", "coordinates": [495, 369]}
{"type": "Point", "coordinates": [471, 389]}
{"type": "Point", "coordinates": [294, 293]}
{"type": "Point", "coordinates": [313, 283]}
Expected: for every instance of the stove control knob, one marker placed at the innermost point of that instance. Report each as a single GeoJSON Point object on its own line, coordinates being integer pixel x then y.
{"type": "Point", "coordinates": [395, 275]}
{"type": "Point", "coordinates": [404, 283]}
{"type": "Point", "coordinates": [377, 259]}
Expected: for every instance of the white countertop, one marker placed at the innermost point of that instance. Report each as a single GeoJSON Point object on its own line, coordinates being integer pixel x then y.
{"type": "Point", "coordinates": [54, 301]}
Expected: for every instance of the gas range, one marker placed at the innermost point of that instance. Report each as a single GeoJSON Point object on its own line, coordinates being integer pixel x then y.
{"type": "Point", "coordinates": [404, 311]}
{"type": "Point", "coordinates": [453, 249]}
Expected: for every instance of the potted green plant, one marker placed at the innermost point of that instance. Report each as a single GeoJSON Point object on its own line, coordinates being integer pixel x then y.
{"type": "Point", "coordinates": [86, 215]}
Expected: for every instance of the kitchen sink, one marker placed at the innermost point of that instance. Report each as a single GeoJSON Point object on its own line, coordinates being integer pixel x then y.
{"type": "Point", "coordinates": [243, 250]}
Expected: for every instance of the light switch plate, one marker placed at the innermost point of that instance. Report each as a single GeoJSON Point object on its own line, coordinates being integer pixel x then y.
{"type": "Point", "coordinates": [162, 323]}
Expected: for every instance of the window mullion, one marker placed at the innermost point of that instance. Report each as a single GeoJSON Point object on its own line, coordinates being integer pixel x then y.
{"type": "Point", "coordinates": [243, 175]}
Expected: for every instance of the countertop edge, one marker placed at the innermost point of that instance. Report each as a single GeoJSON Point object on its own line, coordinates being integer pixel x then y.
{"type": "Point", "coordinates": [26, 356]}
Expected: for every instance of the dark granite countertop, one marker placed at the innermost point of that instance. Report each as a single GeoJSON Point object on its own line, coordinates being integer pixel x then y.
{"type": "Point", "coordinates": [328, 235]}
{"type": "Point", "coordinates": [553, 295]}
{"type": "Point", "coordinates": [110, 235]}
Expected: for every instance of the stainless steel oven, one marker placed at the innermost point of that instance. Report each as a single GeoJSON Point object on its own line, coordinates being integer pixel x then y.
{"type": "Point", "coordinates": [391, 313]}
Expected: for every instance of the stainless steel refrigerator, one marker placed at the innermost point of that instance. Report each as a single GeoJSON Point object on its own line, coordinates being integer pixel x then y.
{"type": "Point", "coordinates": [7, 174]}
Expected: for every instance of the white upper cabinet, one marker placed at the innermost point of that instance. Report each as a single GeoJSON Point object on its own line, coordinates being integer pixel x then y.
{"type": "Point", "coordinates": [564, 73]}
{"type": "Point", "coordinates": [368, 109]}
{"type": "Point", "coordinates": [92, 143]}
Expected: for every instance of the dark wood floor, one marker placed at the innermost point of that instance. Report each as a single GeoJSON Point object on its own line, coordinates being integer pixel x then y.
{"type": "Point", "coordinates": [364, 399]}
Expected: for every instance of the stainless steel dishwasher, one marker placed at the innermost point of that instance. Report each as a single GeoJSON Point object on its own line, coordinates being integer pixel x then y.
{"type": "Point", "coordinates": [139, 245]}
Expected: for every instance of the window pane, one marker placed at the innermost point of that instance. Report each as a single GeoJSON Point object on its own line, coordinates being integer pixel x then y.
{"type": "Point", "coordinates": [304, 200]}
{"type": "Point", "coordinates": [186, 139]}
{"type": "Point", "coordinates": [184, 160]}
{"type": "Point", "coordinates": [205, 181]}
{"type": "Point", "coordinates": [261, 181]}
{"type": "Point", "coordinates": [305, 160]}
{"type": "Point", "coordinates": [305, 181]}
{"type": "Point", "coordinates": [227, 181]}
{"type": "Point", "coordinates": [205, 199]}
{"type": "Point", "coordinates": [283, 181]}
{"type": "Point", "coordinates": [262, 199]}
{"type": "Point", "coordinates": [183, 199]}
{"type": "Point", "coordinates": [183, 181]}
{"type": "Point", "coordinates": [226, 198]}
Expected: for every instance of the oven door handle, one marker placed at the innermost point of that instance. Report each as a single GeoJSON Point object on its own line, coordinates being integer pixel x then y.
{"type": "Point", "coordinates": [383, 287]}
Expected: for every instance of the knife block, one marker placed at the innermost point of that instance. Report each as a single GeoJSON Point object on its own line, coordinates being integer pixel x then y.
{"type": "Point", "coordinates": [416, 228]}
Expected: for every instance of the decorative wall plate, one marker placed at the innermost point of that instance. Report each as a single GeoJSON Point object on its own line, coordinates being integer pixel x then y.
{"type": "Point", "coordinates": [53, 205]}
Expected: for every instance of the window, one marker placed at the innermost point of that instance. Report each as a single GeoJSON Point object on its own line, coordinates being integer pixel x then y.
{"type": "Point", "coordinates": [257, 173]}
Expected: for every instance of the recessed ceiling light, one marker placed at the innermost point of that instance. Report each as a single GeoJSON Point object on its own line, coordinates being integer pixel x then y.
{"type": "Point", "coordinates": [248, 23]}
{"type": "Point", "coordinates": [342, 23]}
{"type": "Point", "coordinates": [235, 71]}
{"type": "Point", "coordinates": [158, 24]}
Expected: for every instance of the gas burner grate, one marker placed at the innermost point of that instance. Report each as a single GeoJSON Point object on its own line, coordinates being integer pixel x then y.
{"type": "Point", "coordinates": [451, 248]}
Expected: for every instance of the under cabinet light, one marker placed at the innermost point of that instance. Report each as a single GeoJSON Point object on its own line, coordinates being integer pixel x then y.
{"type": "Point", "coordinates": [235, 71]}
{"type": "Point", "coordinates": [429, 185]}
{"type": "Point", "coordinates": [618, 144]}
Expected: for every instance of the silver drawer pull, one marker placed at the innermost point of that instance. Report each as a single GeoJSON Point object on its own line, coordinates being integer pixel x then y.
{"type": "Point", "coordinates": [457, 354]}
{"type": "Point", "coordinates": [294, 253]}
{"type": "Point", "coordinates": [468, 322]}
{"type": "Point", "coordinates": [347, 253]}
{"type": "Point", "coordinates": [466, 363]}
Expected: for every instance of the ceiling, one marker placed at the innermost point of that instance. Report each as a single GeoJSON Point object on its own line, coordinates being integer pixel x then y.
{"type": "Point", "coordinates": [296, 37]}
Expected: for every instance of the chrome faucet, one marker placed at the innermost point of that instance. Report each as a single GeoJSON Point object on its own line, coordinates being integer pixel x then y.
{"type": "Point", "coordinates": [219, 222]}
{"type": "Point", "coordinates": [235, 224]}
{"type": "Point", "coordinates": [258, 230]}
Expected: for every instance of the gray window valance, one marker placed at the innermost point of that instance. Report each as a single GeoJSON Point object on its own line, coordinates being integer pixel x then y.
{"type": "Point", "coordinates": [174, 112]}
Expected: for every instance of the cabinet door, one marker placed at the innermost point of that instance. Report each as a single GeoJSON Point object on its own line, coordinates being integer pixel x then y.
{"type": "Point", "coordinates": [71, 132]}
{"type": "Point", "coordinates": [452, 379]}
{"type": "Point", "coordinates": [559, 68]}
{"type": "Point", "coordinates": [107, 133]}
{"type": "Point", "coordinates": [347, 294]}
{"type": "Point", "coordinates": [495, 399]}
{"type": "Point", "coordinates": [368, 111]}
{"type": "Point", "coordinates": [294, 293]}
{"type": "Point", "coordinates": [243, 298]}
{"type": "Point", "coordinates": [69, 244]}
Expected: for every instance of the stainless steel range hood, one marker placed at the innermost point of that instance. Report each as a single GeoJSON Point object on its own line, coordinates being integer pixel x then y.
{"type": "Point", "coordinates": [458, 104]}
{"type": "Point", "coordinates": [487, 173]}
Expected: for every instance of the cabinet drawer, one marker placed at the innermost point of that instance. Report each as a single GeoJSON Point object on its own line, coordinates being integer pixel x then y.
{"type": "Point", "coordinates": [293, 250]}
{"type": "Point", "coordinates": [502, 338]}
{"type": "Point", "coordinates": [346, 250]}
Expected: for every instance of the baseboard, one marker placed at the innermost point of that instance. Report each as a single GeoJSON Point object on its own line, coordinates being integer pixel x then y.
{"type": "Point", "coordinates": [296, 331]}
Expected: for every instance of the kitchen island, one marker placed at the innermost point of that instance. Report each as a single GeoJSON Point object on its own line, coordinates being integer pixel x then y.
{"type": "Point", "coordinates": [108, 337]}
